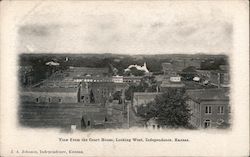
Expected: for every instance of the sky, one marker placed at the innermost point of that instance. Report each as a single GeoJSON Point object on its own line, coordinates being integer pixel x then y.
{"type": "Point", "coordinates": [126, 27]}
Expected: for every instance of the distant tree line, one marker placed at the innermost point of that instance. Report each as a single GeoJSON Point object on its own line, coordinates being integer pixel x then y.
{"type": "Point", "coordinates": [213, 64]}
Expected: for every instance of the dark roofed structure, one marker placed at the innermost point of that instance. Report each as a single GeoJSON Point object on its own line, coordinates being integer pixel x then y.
{"type": "Point", "coordinates": [50, 95]}
{"type": "Point", "coordinates": [50, 90]}
{"type": "Point", "coordinates": [84, 71]}
{"type": "Point", "coordinates": [51, 115]}
{"type": "Point", "coordinates": [209, 108]}
{"type": "Point", "coordinates": [208, 94]}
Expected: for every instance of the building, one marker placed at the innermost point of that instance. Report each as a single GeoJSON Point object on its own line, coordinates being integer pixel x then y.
{"type": "Point", "coordinates": [99, 117]}
{"type": "Point", "coordinates": [50, 95]}
{"type": "Point", "coordinates": [168, 84]}
{"type": "Point", "coordinates": [143, 98]}
{"type": "Point", "coordinates": [209, 107]}
{"type": "Point", "coordinates": [219, 78]}
{"type": "Point", "coordinates": [52, 63]}
{"type": "Point", "coordinates": [138, 67]}
{"type": "Point", "coordinates": [204, 74]}
{"type": "Point", "coordinates": [168, 69]}
{"type": "Point", "coordinates": [132, 79]}
{"type": "Point", "coordinates": [180, 64]}
{"type": "Point", "coordinates": [152, 124]}
{"type": "Point", "coordinates": [101, 92]}
{"type": "Point", "coordinates": [94, 117]}
{"type": "Point", "coordinates": [114, 79]}
{"type": "Point", "coordinates": [86, 71]}
{"type": "Point", "coordinates": [25, 75]}
{"type": "Point", "coordinates": [58, 83]}
{"type": "Point", "coordinates": [91, 79]}
{"type": "Point", "coordinates": [84, 93]}
{"type": "Point", "coordinates": [175, 79]}
{"type": "Point", "coordinates": [171, 79]}
{"type": "Point", "coordinates": [51, 115]}
{"type": "Point", "coordinates": [117, 79]}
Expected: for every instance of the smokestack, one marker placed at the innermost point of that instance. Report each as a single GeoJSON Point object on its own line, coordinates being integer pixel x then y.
{"type": "Point", "coordinates": [218, 80]}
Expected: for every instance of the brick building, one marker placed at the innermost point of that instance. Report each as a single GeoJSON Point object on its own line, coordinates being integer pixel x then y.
{"type": "Point", "coordinates": [169, 69]}
{"type": "Point", "coordinates": [50, 95]}
{"type": "Point", "coordinates": [143, 98]}
{"type": "Point", "coordinates": [132, 79]}
{"type": "Point", "coordinates": [209, 107]}
{"type": "Point", "coordinates": [87, 71]}
{"type": "Point", "coordinates": [64, 115]}
{"type": "Point", "coordinates": [25, 75]}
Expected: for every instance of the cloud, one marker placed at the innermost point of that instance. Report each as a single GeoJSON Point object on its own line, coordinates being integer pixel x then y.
{"type": "Point", "coordinates": [38, 30]}
{"type": "Point", "coordinates": [127, 32]}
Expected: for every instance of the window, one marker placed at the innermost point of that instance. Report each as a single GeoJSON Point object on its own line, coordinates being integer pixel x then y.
{"type": "Point", "coordinates": [220, 121]}
{"type": "Point", "coordinates": [37, 100]}
{"type": "Point", "coordinates": [59, 100]}
{"type": "Point", "coordinates": [220, 110]}
{"type": "Point", "coordinates": [208, 109]}
{"type": "Point", "coordinates": [88, 123]}
{"type": "Point", "coordinates": [49, 100]}
{"type": "Point", "coordinates": [73, 127]}
{"type": "Point", "coordinates": [207, 123]}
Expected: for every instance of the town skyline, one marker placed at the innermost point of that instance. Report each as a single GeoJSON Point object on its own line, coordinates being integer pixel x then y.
{"type": "Point", "coordinates": [120, 91]}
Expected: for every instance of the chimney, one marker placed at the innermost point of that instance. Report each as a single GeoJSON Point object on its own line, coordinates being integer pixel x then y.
{"type": "Point", "coordinates": [218, 80]}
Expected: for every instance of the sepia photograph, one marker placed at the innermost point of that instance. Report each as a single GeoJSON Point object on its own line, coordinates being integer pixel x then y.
{"type": "Point", "coordinates": [124, 78]}
{"type": "Point", "coordinates": [98, 91]}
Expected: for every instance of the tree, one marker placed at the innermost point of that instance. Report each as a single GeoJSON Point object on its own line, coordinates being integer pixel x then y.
{"type": "Point", "coordinates": [213, 64]}
{"type": "Point", "coordinates": [117, 96]}
{"type": "Point", "coordinates": [134, 71]}
{"type": "Point", "coordinates": [92, 98]}
{"type": "Point", "coordinates": [189, 73]}
{"type": "Point", "coordinates": [169, 109]}
{"type": "Point", "coordinates": [135, 88]}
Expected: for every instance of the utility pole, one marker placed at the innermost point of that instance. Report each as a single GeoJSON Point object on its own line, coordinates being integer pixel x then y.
{"type": "Point", "coordinates": [128, 114]}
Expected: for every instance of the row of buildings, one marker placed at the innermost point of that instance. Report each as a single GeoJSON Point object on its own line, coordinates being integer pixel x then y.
{"type": "Point", "coordinates": [78, 97]}
{"type": "Point", "coordinates": [209, 107]}
{"type": "Point", "coordinates": [209, 104]}
{"type": "Point", "coordinates": [83, 97]}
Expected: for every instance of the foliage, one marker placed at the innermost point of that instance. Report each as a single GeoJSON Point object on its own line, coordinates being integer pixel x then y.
{"type": "Point", "coordinates": [169, 109]}
{"type": "Point", "coordinates": [133, 88]}
{"type": "Point", "coordinates": [213, 64]}
{"type": "Point", "coordinates": [152, 88]}
{"type": "Point", "coordinates": [92, 98]}
{"type": "Point", "coordinates": [189, 73]}
{"type": "Point", "coordinates": [135, 72]}
{"type": "Point", "coordinates": [190, 69]}
{"type": "Point", "coordinates": [117, 96]}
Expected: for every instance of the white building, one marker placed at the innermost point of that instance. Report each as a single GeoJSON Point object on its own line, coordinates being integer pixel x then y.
{"type": "Point", "coordinates": [175, 79]}
{"type": "Point", "coordinates": [138, 67]}
{"type": "Point", "coordinates": [117, 79]}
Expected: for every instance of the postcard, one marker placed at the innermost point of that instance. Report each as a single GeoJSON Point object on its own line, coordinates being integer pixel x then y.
{"type": "Point", "coordinates": [124, 78]}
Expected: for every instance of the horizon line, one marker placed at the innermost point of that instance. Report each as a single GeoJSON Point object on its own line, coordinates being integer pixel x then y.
{"type": "Point", "coordinates": [126, 54]}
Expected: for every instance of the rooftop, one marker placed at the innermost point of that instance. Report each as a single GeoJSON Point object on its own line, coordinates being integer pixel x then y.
{"type": "Point", "coordinates": [146, 93]}
{"type": "Point", "coordinates": [50, 90]}
{"type": "Point", "coordinates": [168, 83]}
{"type": "Point", "coordinates": [63, 83]}
{"type": "Point", "coordinates": [50, 115]}
{"type": "Point", "coordinates": [208, 94]}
